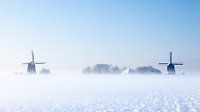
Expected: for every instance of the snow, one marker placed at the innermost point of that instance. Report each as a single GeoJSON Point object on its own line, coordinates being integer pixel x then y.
{"type": "Point", "coordinates": [99, 93]}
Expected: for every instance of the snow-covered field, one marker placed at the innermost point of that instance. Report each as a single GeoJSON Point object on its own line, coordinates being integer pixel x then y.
{"type": "Point", "coordinates": [99, 93]}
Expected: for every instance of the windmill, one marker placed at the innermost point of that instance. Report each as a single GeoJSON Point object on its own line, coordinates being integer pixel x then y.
{"type": "Point", "coordinates": [31, 69]}
{"type": "Point", "coordinates": [171, 65]}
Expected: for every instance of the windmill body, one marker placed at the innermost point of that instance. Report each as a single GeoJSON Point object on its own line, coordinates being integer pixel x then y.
{"type": "Point", "coordinates": [31, 68]}
{"type": "Point", "coordinates": [171, 69]}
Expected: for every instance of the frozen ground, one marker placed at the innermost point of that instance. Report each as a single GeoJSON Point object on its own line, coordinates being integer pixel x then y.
{"type": "Point", "coordinates": [99, 93]}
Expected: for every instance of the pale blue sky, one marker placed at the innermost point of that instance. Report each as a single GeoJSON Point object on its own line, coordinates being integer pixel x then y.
{"type": "Point", "coordinates": [71, 34]}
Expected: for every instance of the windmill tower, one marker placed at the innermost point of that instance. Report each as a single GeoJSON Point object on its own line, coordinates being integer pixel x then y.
{"type": "Point", "coordinates": [171, 65]}
{"type": "Point", "coordinates": [31, 69]}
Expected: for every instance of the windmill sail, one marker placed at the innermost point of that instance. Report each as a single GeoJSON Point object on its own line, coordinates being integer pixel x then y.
{"type": "Point", "coordinates": [163, 63]}
{"type": "Point", "coordinates": [40, 62]}
{"type": "Point", "coordinates": [33, 57]}
{"type": "Point", "coordinates": [177, 63]}
{"type": "Point", "coordinates": [170, 57]}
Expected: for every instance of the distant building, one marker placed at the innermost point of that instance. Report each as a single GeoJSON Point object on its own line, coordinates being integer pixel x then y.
{"type": "Point", "coordinates": [45, 71]}
{"type": "Point", "coordinates": [147, 70]}
{"type": "Point", "coordinates": [103, 69]}
{"type": "Point", "coordinates": [114, 69]}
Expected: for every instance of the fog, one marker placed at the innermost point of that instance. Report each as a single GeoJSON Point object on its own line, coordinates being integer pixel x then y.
{"type": "Point", "coordinates": [82, 92]}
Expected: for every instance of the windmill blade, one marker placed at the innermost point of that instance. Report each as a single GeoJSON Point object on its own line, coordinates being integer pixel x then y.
{"type": "Point", "coordinates": [33, 57]}
{"type": "Point", "coordinates": [40, 63]}
{"type": "Point", "coordinates": [170, 57]}
{"type": "Point", "coordinates": [25, 63]}
{"type": "Point", "coordinates": [162, 63]}
{"type": "Point", "coordinates": [177, 63]}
